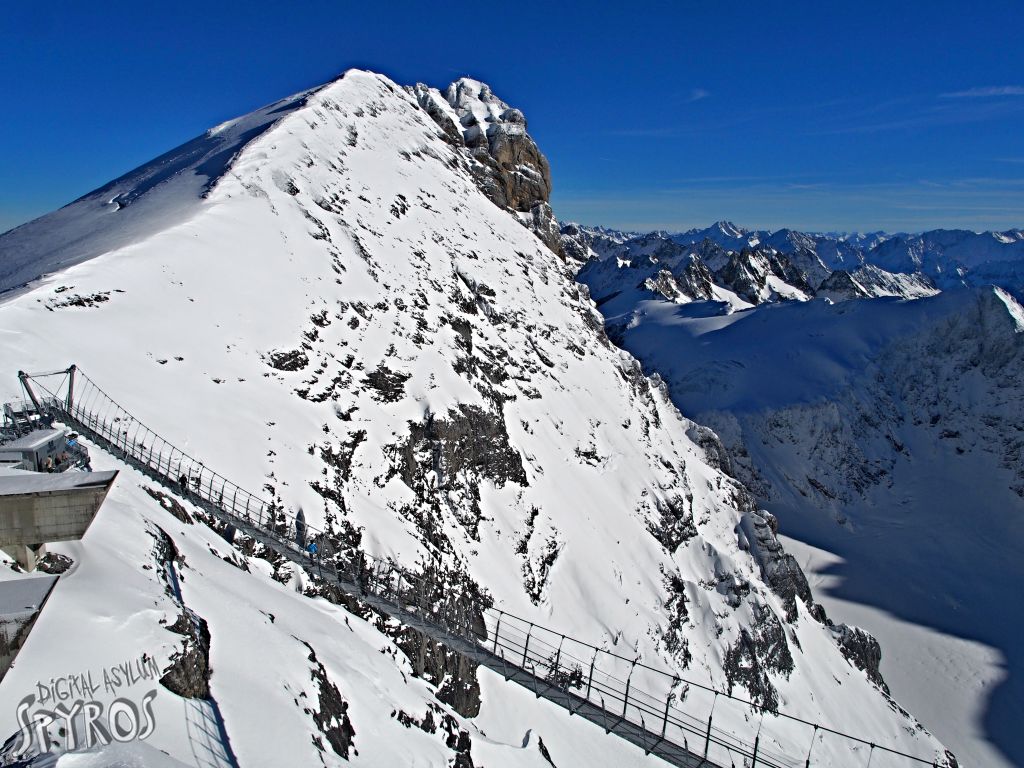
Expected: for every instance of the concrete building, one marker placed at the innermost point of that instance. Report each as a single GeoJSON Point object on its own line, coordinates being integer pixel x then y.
{"type": "Point", "coordinates": [37, 508]}
{"type": "Point", "coordinates": [20, 603]}
{"type": "Point", "coordinates": [45, 450]}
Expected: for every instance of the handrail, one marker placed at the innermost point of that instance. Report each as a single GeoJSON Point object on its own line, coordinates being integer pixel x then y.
{"type": "Point", "coordinates": [567, 668]}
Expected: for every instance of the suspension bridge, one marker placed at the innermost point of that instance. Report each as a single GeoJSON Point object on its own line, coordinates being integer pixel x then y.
{"type": "Point", "coordinates": [681, 721]}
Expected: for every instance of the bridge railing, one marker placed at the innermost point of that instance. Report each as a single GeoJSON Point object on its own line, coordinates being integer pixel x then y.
{"type": "Point", "coordinates": [709, 723]}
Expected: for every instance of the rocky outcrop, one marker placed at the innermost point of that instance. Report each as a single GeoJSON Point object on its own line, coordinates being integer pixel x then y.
{"type": "Point", "coordinates": [694, 278]}
{"type": "Point", "coordinates": [748, 271]}
{"type": "Point", "coordinates": [188, 674]}
{"type": "Point", "coordinates": [862, 650]}
{"type": "Point", "coordinates": [780, 570]}
{"type": "Point", "coordinates": [746, 276]}
{"type": "Point", "coordinates": [841, 286]}
{"type": "Point", "coordinates": [758, 654]}
{"type": "Point", "coordinates": [878, 282]}
{"type": "Point", "coordinates": [445, 459]}
{"type": "Point", "coordinates": [507, 164]}
{"type": "Point", "coordinates": [331, 711]}
{"type": "Point", "coordinates": [496, 136]}
{"type": "Point", "coordinates": [541, 219]}
{"type": "Point", "coordinates": [576, 243]}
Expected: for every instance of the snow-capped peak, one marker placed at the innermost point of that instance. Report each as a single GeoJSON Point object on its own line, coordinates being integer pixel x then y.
{"type": "Point", "coordinates": [354, 319]}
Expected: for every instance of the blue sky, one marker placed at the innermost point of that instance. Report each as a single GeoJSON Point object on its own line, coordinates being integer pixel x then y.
{"type": "Point", "coordinates": [895, 115]}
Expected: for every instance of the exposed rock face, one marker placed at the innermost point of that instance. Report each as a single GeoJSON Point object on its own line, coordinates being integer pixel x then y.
{"type": "Point", "coordinates": [288, 360]}
{"type": "Point", "coordinates": [331, 713]}
{"type": "Point", "coordinates": [54, 563]}
{"type": "Point", "coordinates": [715, 452]}
{"type": "Point", "coordinates": [437, 720]}
{"type": "Point", "coordinates": [748, 271]}
{"type": "Point", "coordinates": [785, 268]}
{"type": "Point", "coordinates": [862, 650]}
{"type": "Point", "coordinates": [878, 282]}
{"type": "Point", "coordinates": [496, 135]}
{"type": "Point", "coordinates": [674, 522]}
{"type": "Point", "coordinates": [446, 458]}
{"type": "Point", "coordinates": [189, 672]}
{"type": "Point", "coordinates": [541, 219]}
{"type": "Point", "coordinates": [711, 253]}
{"type": "Point", "coordinates": [576, 243]}
{"type": "Point", "coordinates": [453, 674]}
{"type": "Point", "coordinates": [841, 286]}
{"type": "Point", "coordinates": [746, 275]}
{"type": "Point", "coordinates": [755, 655]}
{"type": "Point", "coordinates": [507, 164]}
{"type": "Point", "coordinates": [780, 570]}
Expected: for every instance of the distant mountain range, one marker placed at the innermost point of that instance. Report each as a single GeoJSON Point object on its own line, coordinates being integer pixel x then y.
{"type": "Point", "coordinates": [869, 390]}
{"type": "Point", "coordinates": [744, 267]}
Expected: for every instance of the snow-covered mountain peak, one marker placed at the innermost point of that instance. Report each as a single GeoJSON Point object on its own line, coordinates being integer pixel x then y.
{"type": "Point", "coordinates": [356, 320]}
{"type": "Point", "coordinates": [728, 229]}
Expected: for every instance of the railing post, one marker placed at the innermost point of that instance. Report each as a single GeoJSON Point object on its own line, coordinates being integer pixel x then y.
{"type": "Point", "coordinates": [629, 681]}
{"type": "Point", "coordinates": [558, 655]}
{"type": "Point", "coordinates": [590, 677]}
{"type": "Point", "coordinates": [497, 631]}
{"type": "Point", "coordinates": [526, 647]}
{"type": "Point", "coordinates": [421, 599]}
{"type": "Point", "coordinates": [71, 387]}
{"type": "Point", "coordinates": [707, 737]}
{"type": "Point", "coordinates": [664, 717]}
{"type": "Point", "coordinates": [807, 762]}
{"type": "Point", "coordinates": [757, 740]}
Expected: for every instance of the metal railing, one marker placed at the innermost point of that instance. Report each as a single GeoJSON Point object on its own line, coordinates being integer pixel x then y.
{"type": "Point", "coordinates": [682, 721]}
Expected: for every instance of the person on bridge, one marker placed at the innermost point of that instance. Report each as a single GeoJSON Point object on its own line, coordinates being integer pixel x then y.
{"type": "Point", "coordinates": [183, 482]}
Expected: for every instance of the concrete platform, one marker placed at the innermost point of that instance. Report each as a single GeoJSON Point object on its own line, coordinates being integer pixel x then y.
{"type": "Point", "coordinates": [20, 603]}
{"type": "Point", "coordinates": [36, 508]}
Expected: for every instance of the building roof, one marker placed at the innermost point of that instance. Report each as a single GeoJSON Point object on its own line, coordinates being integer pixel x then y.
{"type": "Point", "coordinates": [34, 439]}
{"type": "Point", "coordinates": [25, 594]}
{"type": "Point", "coordinates": [16, 482]}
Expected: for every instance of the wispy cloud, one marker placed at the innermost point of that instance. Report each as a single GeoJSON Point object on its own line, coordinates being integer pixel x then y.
{"type": "Point", "coordinates": [910, 205]}
{"type": "Point", "coordinates": [919, 114]}
{"type": "Point", "coordinates": [697, 94]}
{"type": "Point", "coordinates": [986, 92]}
{"type": "Point", "coordinates": [644, 132]}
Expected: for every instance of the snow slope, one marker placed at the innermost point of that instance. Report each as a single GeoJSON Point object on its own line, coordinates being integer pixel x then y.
{"type": "Point", "coordinates": [344, 319]}
{"type": "Point", "coordinates": [155, 196]}
{"type": "Point", "coordinates": [885, 436]}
